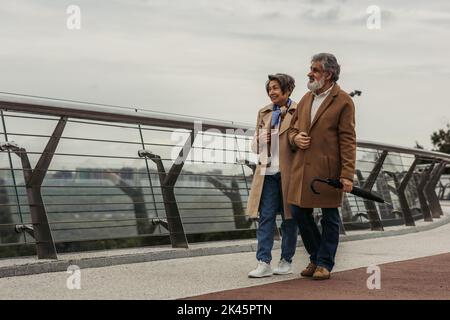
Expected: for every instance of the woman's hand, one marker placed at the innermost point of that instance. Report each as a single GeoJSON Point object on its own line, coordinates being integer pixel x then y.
{"type": "Point", "coordinates": [264, 137]}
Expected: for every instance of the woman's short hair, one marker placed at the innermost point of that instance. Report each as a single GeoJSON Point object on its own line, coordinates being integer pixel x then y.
{"type": "Point", "coordinates": [286, 82]}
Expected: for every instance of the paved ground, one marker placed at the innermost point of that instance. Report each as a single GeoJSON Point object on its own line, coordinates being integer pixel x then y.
{"type": "Point", "coordinates": [187, 277]}
{"type": "Point", "coordinates": [424, 278]}
{"type": "Point", "coordinates": [96, 259]}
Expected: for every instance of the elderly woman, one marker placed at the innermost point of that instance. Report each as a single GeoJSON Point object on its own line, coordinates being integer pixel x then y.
{"type": "Point", "coordinates": [271, 178]}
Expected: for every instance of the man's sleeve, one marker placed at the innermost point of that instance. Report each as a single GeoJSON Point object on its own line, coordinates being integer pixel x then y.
{"type": "Point", "coordinates": [347, 141]}
{"type": "Point", "coordinates": [293, 131]}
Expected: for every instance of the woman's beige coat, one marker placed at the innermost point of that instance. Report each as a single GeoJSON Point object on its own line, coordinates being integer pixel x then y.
{"type": "Point", "coordinates": [286, 155]}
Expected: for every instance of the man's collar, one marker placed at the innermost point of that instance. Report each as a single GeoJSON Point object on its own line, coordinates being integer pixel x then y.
{"type": "Point", "coordinates": [325, 93]}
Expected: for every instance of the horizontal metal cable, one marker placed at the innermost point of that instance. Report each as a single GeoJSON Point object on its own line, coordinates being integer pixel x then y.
{"type": "Point", "coordinates": [130, 202]}
{"type": "Point", "coordinates": [213, 216]}
{"type": "Point", "coordinates": [115, 238]}
{"type": "Point", "coordinates": [224, 230]}
{"type": "Point", "coordinates": [143, 127]}
{"type": "Point", "coordinates": [167, 159]}
{"type": "Point", "coordinates": [123, 157]}
{"type": "Point", "coordinates": [7, 224]}
{"type": "Point", "coordinates": [124, 195]}
{"type": "Point", "coordinates": [127, 172]}
{"type": "Point", "coordinates": [132, 225]}
{"type": "Point", "coordinates": [165, 234]}
{"type": "Point", "coordinates": [122, 187]}
{"type": "Point", "coordinates": [123, 142]}
{"type": "Point", "coordinates": [94, 227]}
{"type": "Point", "coordinates": [8, 115]}
{"type": "Point", "coordinates": [229, 208]}
{"type": "Point", "coordinates": [12, 244]}
{"type": "Point", "coordinates": [119, 203]}
{"type": "Point", "coordinates": [131, 211]}
{"type": "Point", "coordinates": [208, 222]}
{"type": "Point", "coordinates": [149, 219]}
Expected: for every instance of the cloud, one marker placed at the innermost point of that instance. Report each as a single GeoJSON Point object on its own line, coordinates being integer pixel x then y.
{"type": "Point", "coordinates": [211, 58]}
{"type": "Point", "coordinates": [329, 14]}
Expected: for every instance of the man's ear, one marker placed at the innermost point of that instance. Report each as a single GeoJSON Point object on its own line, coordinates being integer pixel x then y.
{"type": "Point", "coordinates": [328, 76]}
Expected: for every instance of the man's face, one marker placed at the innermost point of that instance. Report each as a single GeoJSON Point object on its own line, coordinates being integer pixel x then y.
{"type": "Point", "coordinates": [276, 95]}
{"type": "Point", "coordinates": [317, 76]}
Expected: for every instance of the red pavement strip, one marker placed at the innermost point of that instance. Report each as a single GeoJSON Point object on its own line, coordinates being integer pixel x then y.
{"type": "Point", "coordinates": [424, 278]}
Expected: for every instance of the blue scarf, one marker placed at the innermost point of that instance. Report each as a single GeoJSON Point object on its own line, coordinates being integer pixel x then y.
{"type": "Point", "coordinates": [276, 114]}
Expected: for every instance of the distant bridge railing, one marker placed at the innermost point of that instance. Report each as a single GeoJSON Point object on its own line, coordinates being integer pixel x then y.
{"type": "Point", "coordinates": [78, 176]}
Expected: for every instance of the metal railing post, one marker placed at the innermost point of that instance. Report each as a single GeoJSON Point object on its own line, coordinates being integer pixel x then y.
{"type": "Point", "coordinates": [45, 245]}
{"type": "Point", "coordinates": [407, 216]}
{"type": "Point", "coordinates": [167, 181]}
{"type": "Point", "coordinates": [385, 190]}
{"type": "Point", "coordinates": [424, 177]}
{"type": "Point", "coordinates": [372, 212]}
{"type": "Point", "coordinates": [430, 190]}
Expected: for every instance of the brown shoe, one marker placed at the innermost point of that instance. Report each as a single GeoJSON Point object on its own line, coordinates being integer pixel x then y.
{"type": "Point", "coordinates": [321, 274]}
{"type": "Point", "coordinates": [309, 271]}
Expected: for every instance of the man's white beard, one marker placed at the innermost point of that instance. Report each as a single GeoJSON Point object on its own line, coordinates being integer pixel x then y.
{"type": "Point", "coordinates": [316, 85]}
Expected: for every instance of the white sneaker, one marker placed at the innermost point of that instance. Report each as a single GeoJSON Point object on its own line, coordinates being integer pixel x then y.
{"type": "Point", "coordinates": [262, 270]}
{"type": "Point", "coordinates": [284, 267]}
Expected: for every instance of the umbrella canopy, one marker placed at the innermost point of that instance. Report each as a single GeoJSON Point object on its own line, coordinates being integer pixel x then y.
{"type": "Point", "coordinates": [356, 191]}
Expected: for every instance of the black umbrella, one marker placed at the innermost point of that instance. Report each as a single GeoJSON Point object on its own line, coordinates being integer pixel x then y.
{"type": "Point", "coordinates": [356, 191]}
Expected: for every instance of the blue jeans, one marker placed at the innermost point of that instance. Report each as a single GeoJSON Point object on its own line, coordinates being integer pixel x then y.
{"type": "Point", "coordinates": [272, 202]}
{"type": "Point", "coordinates": [321, 247]}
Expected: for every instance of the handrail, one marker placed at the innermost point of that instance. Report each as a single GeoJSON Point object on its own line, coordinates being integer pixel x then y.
{"type": "Point", "coordinates": [80, 110]}
{"type": "Point", "coordinates": [393, 148]}
{"type": "Point", "coordinates": [95, 112]}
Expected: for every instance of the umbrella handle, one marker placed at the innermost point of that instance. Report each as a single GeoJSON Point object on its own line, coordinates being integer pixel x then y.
{"type": "Point", "coordinates": [334, 183]}
{"type": "Point", "coordinates": [314, 181]}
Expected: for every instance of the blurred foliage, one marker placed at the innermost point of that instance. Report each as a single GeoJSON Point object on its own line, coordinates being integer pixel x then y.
{"type": "Point", "coordinates": [441, 140]}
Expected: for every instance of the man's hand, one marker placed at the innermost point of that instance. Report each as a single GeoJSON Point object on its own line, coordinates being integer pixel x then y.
{"type": "Point", "coordinates": [348, 184]}
{"type": "Point", "coordinates": [302, 140]}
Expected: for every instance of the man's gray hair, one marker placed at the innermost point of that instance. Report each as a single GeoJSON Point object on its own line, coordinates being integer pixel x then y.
{"type": "Point", "coordinates": [329, 63]}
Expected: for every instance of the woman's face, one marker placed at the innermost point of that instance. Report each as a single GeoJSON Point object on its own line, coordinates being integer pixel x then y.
{"type": "Point", "coordinates": [276, 95]}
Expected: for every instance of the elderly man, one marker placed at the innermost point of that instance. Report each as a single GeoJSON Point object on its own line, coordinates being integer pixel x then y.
{"type": "Point", "coordinates": [270, 181]}
{"type": "Point", "coordinates": [322, 132]}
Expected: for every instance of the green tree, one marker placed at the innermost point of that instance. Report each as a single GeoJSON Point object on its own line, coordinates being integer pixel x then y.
{"type": "Point", "coordinates": [441, 140]}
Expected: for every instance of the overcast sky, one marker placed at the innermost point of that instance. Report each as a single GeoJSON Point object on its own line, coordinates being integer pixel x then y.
{"type": "Point", "coordinates": [211, 58]}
